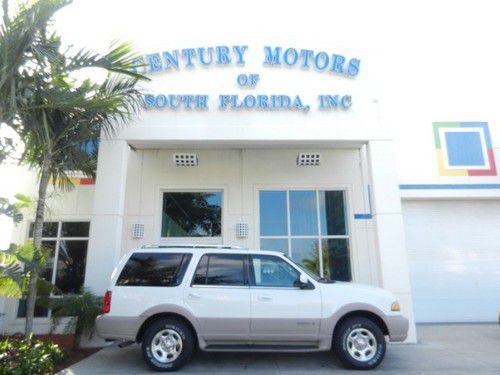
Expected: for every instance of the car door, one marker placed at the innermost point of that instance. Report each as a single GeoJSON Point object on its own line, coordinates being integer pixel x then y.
{"type": "Point", "coordinates": [219, 297]}
{"type": "Point", "coordinates": [281, 310]}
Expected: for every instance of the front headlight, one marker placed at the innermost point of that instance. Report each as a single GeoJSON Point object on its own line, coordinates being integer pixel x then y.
{"type": "Point", "coordinates": [395, 306]}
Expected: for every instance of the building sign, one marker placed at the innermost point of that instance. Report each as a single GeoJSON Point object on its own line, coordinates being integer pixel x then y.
{"type": "Point", "coordinates": [304, 59]}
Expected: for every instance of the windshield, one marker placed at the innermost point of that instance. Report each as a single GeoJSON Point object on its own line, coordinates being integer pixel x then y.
{"type": "Point", "coordinates": [309, 272]}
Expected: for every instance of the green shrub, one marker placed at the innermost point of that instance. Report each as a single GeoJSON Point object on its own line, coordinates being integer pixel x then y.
{"type": "Point", "coordinates": [25, 356]}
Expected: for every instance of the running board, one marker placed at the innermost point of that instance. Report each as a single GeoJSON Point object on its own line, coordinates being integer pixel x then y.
{"type": "Point", "coordinates": [261, 347]}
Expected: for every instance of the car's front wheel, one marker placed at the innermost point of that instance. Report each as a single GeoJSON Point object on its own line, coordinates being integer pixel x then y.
{"type": "Point", "coordinates": [359, 343]}
{"type": "Point", "coordinates": [167, 344]}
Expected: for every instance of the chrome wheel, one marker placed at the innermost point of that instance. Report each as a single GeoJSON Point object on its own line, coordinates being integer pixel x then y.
{"type": "Point", "coordinates": [361, 344]}
{"type": "Point", "coordinates": [166, 345]}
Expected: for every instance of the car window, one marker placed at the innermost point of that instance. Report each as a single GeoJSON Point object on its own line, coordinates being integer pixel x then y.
{"type": "Point", "coordinates": [272, 271]}
{"type": "Point", "coordinates": [220, 269]}
{"type": "Point", "coordinates": [154, 269]}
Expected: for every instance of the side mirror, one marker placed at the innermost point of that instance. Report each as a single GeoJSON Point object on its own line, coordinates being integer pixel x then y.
{"type": "Point", "coordinates": [303, 281]}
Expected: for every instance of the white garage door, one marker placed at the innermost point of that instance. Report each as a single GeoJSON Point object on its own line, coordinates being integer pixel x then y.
{"type": "Point", "coordinates": [454, 257]}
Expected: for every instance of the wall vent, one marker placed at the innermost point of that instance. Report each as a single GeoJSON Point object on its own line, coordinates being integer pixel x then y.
{"type": "Point", "coordinates": [186, 160]}
{"type": "Point", "coordinates": [308, 158]}
{"type": "Point", "coordinates": [138, 230]}
{"type": "Point", "coordinates": [242, 230]}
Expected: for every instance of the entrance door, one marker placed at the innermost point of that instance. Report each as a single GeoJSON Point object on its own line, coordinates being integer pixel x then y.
{"type": "Point", "coordinates": [281, 311]}
{"type": "Point", "coordinates": [220, 297]}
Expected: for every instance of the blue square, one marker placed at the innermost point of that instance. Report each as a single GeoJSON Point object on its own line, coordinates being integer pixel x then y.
{"type": "Point", "coordinates": [464, 149]}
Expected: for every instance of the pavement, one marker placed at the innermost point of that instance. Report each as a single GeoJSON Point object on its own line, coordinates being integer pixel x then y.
{"type": "Point", "coordinates": [441, 349]}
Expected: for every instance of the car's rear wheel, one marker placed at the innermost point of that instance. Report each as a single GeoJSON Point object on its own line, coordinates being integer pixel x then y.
{"type": "Point", "coordinates": [359, 343]}
{"type": "Point", "coordinates": [167, 344]}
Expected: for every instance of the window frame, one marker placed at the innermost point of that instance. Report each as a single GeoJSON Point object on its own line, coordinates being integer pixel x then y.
{"type": "Point", "coordinates": [289, 237]}
{"type": "Point", "coordinates": [57, 239]}
{"type": "Point", "coordinates": [246, 276]}
{"type": "Point", "coordinates": [198, 239]}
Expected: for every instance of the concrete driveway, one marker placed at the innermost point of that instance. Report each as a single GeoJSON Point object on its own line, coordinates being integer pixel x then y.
{"type": "Point", "coordinates": [442, 349]}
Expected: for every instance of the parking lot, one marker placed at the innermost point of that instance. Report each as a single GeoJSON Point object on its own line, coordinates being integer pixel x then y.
{"type": "Point", "coordinates": [442, 349]}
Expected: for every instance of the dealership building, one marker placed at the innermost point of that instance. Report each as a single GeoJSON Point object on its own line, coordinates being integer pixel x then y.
{"type": "Point", "coordinates": [270, 146]}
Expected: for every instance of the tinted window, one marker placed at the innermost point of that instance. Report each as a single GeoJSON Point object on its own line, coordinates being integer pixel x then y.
{"type": "Point", "coordinates": [75, 229]}
{"type": "Point", "coordinates": [191, 214]}
{"type": "Point", "coordinates": [273, 221]}
{"type": "Point", "coordinates": [220, 269]}
{"type": "Point", "coordinates": [49, 229]}
{"type": "Point", "coordinates": [154, 269]}
{"type": "Point", "coordinates": [272, 271]}
{"type": "Point", "coordinates": [303, 213]}
{"type": "Point", "coordinates": [332, 212]}
{"type": "Point", "coordinates": [70, 272]}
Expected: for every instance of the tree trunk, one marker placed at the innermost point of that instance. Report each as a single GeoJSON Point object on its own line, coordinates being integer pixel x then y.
{"type": "Point", "coordinates": [37, 242]}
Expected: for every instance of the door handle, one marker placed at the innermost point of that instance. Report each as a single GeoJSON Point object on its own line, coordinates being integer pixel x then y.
{"type": "Point", "coordinates": [194, 295]}
{"type": "Point", "coordinates": [264, 298]}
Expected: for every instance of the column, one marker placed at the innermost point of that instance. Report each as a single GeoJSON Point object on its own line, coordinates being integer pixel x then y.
{"type": "Point", "coordinates": [106, 226]}
{"type": "Point", "coordinates": [388, 219]}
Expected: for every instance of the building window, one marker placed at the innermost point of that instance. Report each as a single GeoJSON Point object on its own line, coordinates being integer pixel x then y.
{"type": "Point", "coordinates": [464, 149]}
{"type": "Point", "coordinates": [196, 214]}
{"type": "Point", "coordinates": [66, 244]}
{"type": "Point", "coordinates": [310, 227]}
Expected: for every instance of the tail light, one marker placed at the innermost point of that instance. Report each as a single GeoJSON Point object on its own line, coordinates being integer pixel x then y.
{"type": "Point", "coordinates": [106, 306]}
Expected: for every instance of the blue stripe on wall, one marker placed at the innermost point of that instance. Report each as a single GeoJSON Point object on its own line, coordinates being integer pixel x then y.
{"type": "Point", "coordinates": [449, 186]}
{"type": "Point", "coordinates": [362, 216]}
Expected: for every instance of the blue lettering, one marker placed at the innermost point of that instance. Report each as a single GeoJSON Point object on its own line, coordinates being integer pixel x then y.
{"type": "Point", "coordinates": [171, 59]}
{"type": "Point", "coordinates": [306, 55]}
{"type": "Point", "coordinates": [240, 51]}
{"type": "Point", "coordinates": [338, 64]}
{"type": "Point", "coordinates": [223, 55]}
{"type": "Point", "coordinates": [188, 55]}
{"type": "Point", "coordinates": [317, 59]}
{"type": "Point", "coordinates": [201, 53]}
{"type": "Point", "coordinates": [161, 101]}
{"type": "Point", "coordinates": [154, 61]}
{"type": "Point", "coordinates": [346, 101]}
{"type": "Point", "coordinates": [290, 56]}
{"type": "Point", "coordinates": [353, 67]}
{"type": "Point", "coordinates": [270, 57]}
{"type": "Point", "coordinates": [249, 101]}
{"type": "Point", "coordinates": [223, 100]}
{"type": "Point", "coordinates": [201, 102]}
{"type": "Point", "coordinates": [149, 101]}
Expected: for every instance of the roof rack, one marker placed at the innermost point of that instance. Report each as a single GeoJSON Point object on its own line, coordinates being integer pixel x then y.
{"type": "Point", "coordinates": [200, 246]}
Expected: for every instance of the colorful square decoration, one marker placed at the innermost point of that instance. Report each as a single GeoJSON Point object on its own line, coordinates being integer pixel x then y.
{"type": "Point", "coordinates": [464, 149]}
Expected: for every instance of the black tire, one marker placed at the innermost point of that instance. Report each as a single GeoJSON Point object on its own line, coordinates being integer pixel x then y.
{"type": "Point", "coordinates": [347, 352]}
{"type": "Point", "coordinates": [185, 334]}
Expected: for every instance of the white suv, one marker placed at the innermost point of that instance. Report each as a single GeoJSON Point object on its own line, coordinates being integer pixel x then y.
{"type": "Point", "coordinates": [175, 298]}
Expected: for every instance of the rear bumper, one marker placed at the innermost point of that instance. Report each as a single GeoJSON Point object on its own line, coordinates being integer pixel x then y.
{"type": "Point", "coordinates": [118, 327]}
{"type": "Point", "coordinates": [398, 327]}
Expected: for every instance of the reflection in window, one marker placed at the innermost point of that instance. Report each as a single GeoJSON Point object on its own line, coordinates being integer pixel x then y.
{"type": "Point", "coordinates": [150, 269]}
{"type": "Point", "coordinates": [71, 265]}
{"type": "Point", "coordinates": [303, 213]}
{"type": "Point", "coordinates": [273, 217]}
{"type": "Point", "coordinates": [306, 252]}
{"type": "Point", "coordinates": [316, 235]}
{"type": "Point", "coordinates": [192, 214]}
{"type": "Point", "coordinates": [68, 272]}
{"type": "Point", "coordinates": [332, 212]}
{"type": "Point", "coordinates": [336, 260]}
{"type": "Point", "coordinates": [221, 269]}
{"type": "Point", "coordinates": [49, 229]}
{"type": "Point", "coordinates": [272, 271]}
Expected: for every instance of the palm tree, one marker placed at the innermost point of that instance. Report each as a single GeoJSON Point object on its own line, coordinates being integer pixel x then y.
{"type": "Point", "coordinates": [21, 41]}
{"type": "Point", "coordinates": [57, 116]}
